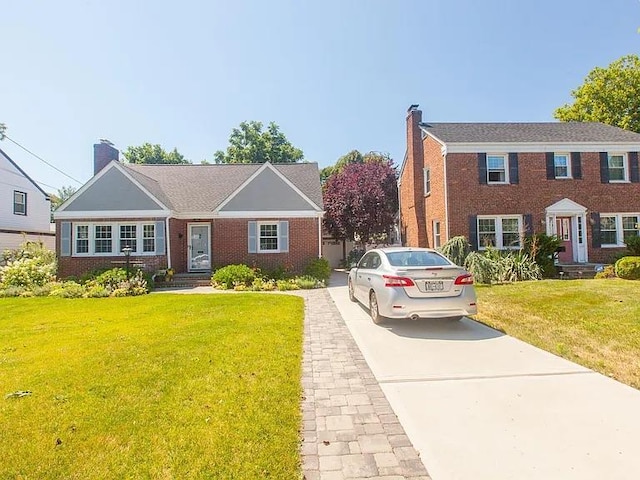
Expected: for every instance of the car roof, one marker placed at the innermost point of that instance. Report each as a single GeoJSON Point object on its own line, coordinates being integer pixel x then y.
{"type": "Point", "coordinates": [405, 249]}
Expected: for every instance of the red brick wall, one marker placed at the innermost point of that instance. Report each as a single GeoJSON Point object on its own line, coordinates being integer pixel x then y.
{"type": "Point", "coordinates": [434, 203]}
{"type": "Point", "coordinates": [534, 194]}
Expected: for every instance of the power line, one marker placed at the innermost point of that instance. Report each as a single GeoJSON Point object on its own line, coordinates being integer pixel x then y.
{"type": "Point", "coordinates": [42, 159]}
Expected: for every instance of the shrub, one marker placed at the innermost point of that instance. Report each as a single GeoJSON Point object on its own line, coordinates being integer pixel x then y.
{"type": "Point", "coordinates": [607, 272]}
{"type": "Point", "coordinates": [457, 249]}
{"type": "Point", "coordinates": [354, 256]}
{"type": "Point", "coordinates": [32, 264]}
{"type": "Point", "coordinates": [284, 285]}
{"type": "Point", "coordinates": [12, 291]}
{"type": "Point", "coordinates": [232, 275]}
{"type": "Point", "coordinates": [261, 284]}
{"type": "Point", "coordinates": [109, 279]}
{"type": "Point", "coordinates": [67, 290]}
{"type": "Point", "coordinates": [307, 282]}
{"type": "Point", "coordinates": [542, 249]}
{"type": "Point", "coordinates": [97, 291]}
{"type": "Point", "coordinates": [494, 266]}
{"type": "Point", "coordinates": [278, 273]}
{"type": "Point", "coordinates": [319, 269]}
{"type": "Point", "coordinates": [628, 268]}
{"type": "Point", "coordinates": [633, 245]}
{"type": "Point", "coordinates": [42, 291]}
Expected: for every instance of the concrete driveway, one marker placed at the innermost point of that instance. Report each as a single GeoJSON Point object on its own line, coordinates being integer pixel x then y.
{"type": "Point", "coordinates": [478, 404]}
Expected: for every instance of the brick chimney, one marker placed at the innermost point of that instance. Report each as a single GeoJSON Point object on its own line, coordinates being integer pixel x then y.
{"type": "Point", "coordinates": [103, 153]}
{"type": "Point", "coordinates": [414, 196]}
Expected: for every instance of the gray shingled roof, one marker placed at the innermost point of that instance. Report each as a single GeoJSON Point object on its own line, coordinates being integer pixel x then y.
{"type": "Point", "coordinates": [202, 188]}
{"type": "Point", "coordinates": [549, 132]}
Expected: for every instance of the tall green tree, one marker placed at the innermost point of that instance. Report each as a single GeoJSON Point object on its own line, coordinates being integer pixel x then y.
{"type": "Point", "coordinates": [153, 154]}
{"type": "Point", "coordinates": [61, 196]}
{"type": "Point", "coordinates": [609, 95]}
{"type": "Point", "coordinates": [249, 144]}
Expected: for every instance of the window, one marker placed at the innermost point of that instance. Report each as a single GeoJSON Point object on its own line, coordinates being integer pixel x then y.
{"type": "Point", "coordinates": [82, 238]}
{"type": "Point", "coordinates": [149, 238]}
{"type": "Point", "coordinates": [436, 234]}
{"type": "Point", "coordinates": [268, 237]}
{"type": "Point", "coordinates": [617, 167]}
{"type": "Point", "coordinates": [102, 239]}
{"type": "Point", "coordinates": [370, 260]}
{"type": "Point", "coordinates": [427, 181]}
{"type": "Point", "coordinates": [502, 232]}
{"type": "Point", "coordinates": [496, 169]}
{"type": "Point", "coordinates": [19, 203]}
{"type": "Point", "coordinates": [128, 237]}
{"type": "Point", "coordinates": [608, 231]}
{"type": "Point", "coordinates": [562, 165]}
{"type": "Point", "coordinates": [630, 226]}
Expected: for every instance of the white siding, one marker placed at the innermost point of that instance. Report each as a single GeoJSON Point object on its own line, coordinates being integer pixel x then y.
{"type": "Point", "coordinates": [38, 214]}
{"type": "Point", "coordinates": [11, 241]}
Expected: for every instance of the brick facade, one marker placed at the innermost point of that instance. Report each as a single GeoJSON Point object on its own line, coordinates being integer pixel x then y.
{"type": "Point", "coordinates": [456, 179]}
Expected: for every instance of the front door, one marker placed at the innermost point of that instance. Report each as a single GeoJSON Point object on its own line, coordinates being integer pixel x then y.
{"type": "Point", "coordinates": [199, 246]}
{"type": "Point", "coordinates": [563, 229]}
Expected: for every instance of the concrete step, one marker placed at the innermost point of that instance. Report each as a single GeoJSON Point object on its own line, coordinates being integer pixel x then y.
{"type": "Point", "coordinates": [577, 271]}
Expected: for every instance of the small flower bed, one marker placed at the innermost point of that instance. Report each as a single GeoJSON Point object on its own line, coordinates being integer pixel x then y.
{"type": "Point", "coordinates": [244, 278]}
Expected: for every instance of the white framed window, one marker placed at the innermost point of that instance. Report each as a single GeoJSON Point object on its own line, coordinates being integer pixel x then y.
{"type": "Point", "coordinates": [149, 238]}
{"type": "Point", "coordinates": [608, 230]}
{"type": "Point", "coordinates": [268, 234]}
{"type": "Point", "coordinates": [503, 232]}
{"type": "Point", "coordinates": [102, 239]}
{"type": "Point", "coordinates": [562, 165]}
{"type": "Point", "coordinates": [19, 203]}
{"type": "Point", "coordinates": [437, 238]}
{"type": "Point", "coordinates": [617, 164]}
{"type": "Point", "coordinates": [427, 181]}
{"type": "Point", "coordinates": [630, 226]}
{"type": "Point", "coordinates": [497, 171]}
{"type": "Point", "coordinates": [616, 228]}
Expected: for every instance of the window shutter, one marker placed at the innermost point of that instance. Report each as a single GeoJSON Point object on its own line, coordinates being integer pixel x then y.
{"type": "Point", "coordinates": [551, 167]}
{"type": "Point", "coordinates": [633, 167]}
{"type": "Point", "coordinates": [161, 241]}
{"type": "Point", "coordinates": [283, 241]}
{"type": "Point", "coordinates": [595, 230]}
{"type": "Point", "coordinates": [604, 167]}
{"type": "Point", "coordinates": [473, 231]}
{"type": "Point", "coordinates": [513, 168]}
{"type": "Point", "coordinates": [482, 168]}
{"type": "Point", "coordinates": [253, 237]}
{"type": "Point", "coordinates": [65, 239]}
{"type": "Point", "coordinates": [528, 224]}
{"type": "Point", "coordinates": [576, 165]}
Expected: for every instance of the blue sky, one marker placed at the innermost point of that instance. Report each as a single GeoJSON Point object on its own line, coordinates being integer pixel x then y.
{"type": "Point", "coordinates": [335, 75]}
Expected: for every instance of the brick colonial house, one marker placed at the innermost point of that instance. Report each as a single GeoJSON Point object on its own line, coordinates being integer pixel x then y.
{"type": "Point", "coordinates": [495, 182]}
{"type": "Point", "coordinates": [191, 217]}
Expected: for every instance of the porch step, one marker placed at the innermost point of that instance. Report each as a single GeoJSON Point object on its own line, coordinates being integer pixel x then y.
{"type": "Point", "coordinates": [577, 271]}
{"type": "Point", "coordinates": [187, 280]}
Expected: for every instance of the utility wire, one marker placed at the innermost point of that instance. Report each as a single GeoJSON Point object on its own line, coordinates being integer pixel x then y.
{"type": "Point", "coordinates": [42, 159]}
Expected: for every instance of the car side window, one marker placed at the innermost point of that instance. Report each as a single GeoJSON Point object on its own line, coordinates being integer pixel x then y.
{"type": "Point", "coordinates": [375, 260]}
{"type": "Point", "coordinates": [365, 262]}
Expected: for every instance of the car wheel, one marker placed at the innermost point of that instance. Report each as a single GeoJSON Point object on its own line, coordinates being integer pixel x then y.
{"type": "Point", "coordinates": [351, 295]}
{"type": "Point", "coordinates": [374, 310]}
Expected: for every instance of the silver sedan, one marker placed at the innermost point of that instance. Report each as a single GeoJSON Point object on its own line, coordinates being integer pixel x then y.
{"type": "Point", "coordinates": [405, 282]}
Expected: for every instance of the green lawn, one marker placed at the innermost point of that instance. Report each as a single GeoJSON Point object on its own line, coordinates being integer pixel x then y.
{"type": "Point", "coordinates": [595, 323]}
{"type": "Point", "coordinates": [159, 386]}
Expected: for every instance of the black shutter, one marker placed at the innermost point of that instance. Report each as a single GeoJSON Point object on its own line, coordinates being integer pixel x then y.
{"type": "Point", "coordinates": [633, 167]}
{"type": "Point", "coordinates": [528, 224]}
{"type": "Point", "coordinates": [551, 167]}
{"type": "Point", "coordinates": [604, 167]}
{"type": "Point", "coordinates": [595, 230]}
{"type": "Point", "coordinates": [576, 165]}
{"type": "Point", "coordinates": [482, 168]}
{"type": "Point", "coordinates": [473, 231]}
{"type": "Point", "coordinates": [513, 168]}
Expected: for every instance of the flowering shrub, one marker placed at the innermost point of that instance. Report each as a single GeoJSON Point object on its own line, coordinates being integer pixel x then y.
{"type": "Point", "coordinates": [29, 266]}
{"type": "Point", "coordinates": [233, 275]}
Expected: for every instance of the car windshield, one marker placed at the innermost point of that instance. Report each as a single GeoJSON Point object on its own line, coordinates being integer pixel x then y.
{"type": "Point", "coordinates": [416, 259]}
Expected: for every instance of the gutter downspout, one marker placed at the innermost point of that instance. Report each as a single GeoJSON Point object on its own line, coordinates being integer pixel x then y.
{"type": "Point", "coordinates": [167, 241]}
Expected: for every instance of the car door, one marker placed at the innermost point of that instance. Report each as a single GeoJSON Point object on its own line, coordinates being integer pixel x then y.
{"type": "Point", "coordinates": [367, 275]}
{"type": "Point", "coordinates": [361, 274]}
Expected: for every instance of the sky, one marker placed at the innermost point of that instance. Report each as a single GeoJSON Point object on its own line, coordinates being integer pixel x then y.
{"type": "Point", "coordinates": [335, 75]}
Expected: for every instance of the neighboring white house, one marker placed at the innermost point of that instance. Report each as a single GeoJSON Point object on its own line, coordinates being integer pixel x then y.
{"type": "Point", "coordinates": [25, 209]}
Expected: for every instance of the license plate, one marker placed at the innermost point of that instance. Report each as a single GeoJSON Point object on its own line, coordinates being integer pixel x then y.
{"type": "Point", "coordinates": [433, 286]}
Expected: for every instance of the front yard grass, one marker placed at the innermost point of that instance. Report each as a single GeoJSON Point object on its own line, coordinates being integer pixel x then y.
{"type": "Point", "coordinates": [161, 386]}
{"type": "Point", "coordinates": [595, 323]}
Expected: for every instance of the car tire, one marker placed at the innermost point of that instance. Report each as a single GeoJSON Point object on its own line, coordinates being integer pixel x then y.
{"type": "Point", "coordinates": [374, 309]}
{"type": "Point", "coordinates": [351, 295]}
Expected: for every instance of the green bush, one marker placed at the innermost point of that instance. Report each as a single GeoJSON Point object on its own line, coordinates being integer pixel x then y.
{"type": "Point", "coordinates": [354, 256]}
{"type": "Point", "coordinates": [633, 245]}
{"type": "Point", "coordinates": [628, 268]}
{"type": "Point", "coordinates": [307, 282]}
{"type": "Point", "coordinates": [97, 291]}
{"type": "Point", "coordinates": [67, 290]}
{"type": "Point", "coordinates": [319, 269]}
{"type": "Point", "coordinates": [12, 291]}
{"type": "Point", "coordinates": [495, 266]}
{"type": "Point", "coordinates": [457, 249]}
{"type": "Point", "coordinates": [542, 249]}
{"type": "Point", "coordinates": [284, 285]}
{"type": "Point", "coordinates": [607, 272]}
{"type": "Point", "coordinates": [32, 264]}
{"type": "Point", "coordinates": [109, 279]}
{"type": "Point", "coordinates": [232, 275]}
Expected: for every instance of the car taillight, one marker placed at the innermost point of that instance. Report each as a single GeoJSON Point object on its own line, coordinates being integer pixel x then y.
{"type": "Point", "coordinates": [466, 279]}
{"type": "Point", "coordinates": [391, 281]}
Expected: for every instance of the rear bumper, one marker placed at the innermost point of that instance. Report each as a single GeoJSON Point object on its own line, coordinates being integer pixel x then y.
{"type": "Point", "coordinates": [398, 305]}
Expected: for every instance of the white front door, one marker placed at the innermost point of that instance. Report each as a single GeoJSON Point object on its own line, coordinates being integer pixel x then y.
{"type": "Point", "coordinates": [199, 246]}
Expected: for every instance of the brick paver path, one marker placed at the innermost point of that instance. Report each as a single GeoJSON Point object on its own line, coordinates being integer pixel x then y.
{"type": "Point", "coordinates": [349, 430]}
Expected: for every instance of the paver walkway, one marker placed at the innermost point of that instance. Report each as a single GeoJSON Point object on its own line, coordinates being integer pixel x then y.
{"type": "Point", "coordinates": [349, 430]}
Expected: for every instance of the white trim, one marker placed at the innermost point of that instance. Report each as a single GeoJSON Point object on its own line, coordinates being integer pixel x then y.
{"type": "Point", "coordinates": [619, 228]}
{"type": "Point", "coordinates": [568, 208]}
{"type": "Point", "coordinates": [254, 175]}
{"type": "Point", "coordinates": [319, 237]}
{"type": "Point", "coordinates": [190, 225]}
{"type": "Point", "coordinates": [625, 166]}
{"type": "Point", "coordinates": [269, 214]}
{"type": "Point", "coordinates": [541, 147]}
{"type": "Point", "coordinates": [277, 237]}
{"type": "Point", "coordinates": [505, 164]}
{"type": "Point", "coordinates": [426, 133]}
{"type": "Point", "coordinates": [567, 155]}
{"type": "Point", "coordinates": [115, 238]}
{"type": "Point", "coordinates": [95, 178]}
{"type": "Point", "coordinates": [498, 230]}
{"type": "Point", "coordinates": [426, 172]}
{"type": "Point", "coordinates": [112, 214]}
{"type": "Point", "coordinates": [167, 243]}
